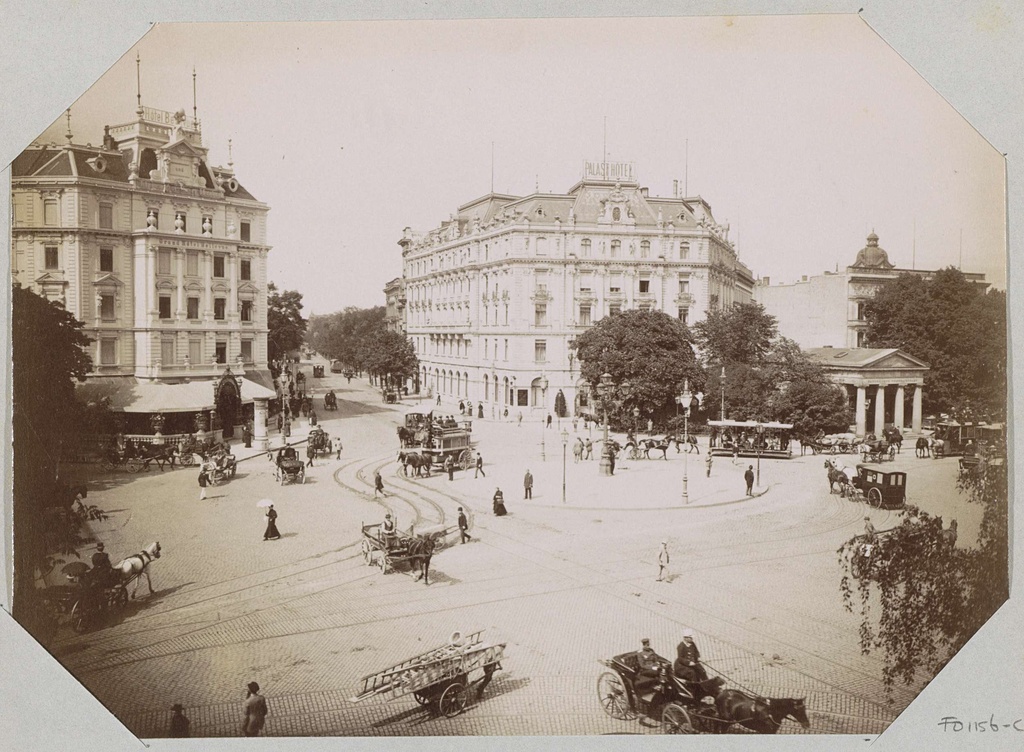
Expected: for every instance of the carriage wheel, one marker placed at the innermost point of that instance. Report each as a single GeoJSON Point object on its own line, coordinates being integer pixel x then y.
{"type": "Point", "coordinates": [675, 720]}
{"type": "Point", "coordinates": [875, 498]}
{"type": "Point", "coordinates": [834, 449]}
{"type": "Point", "coordinates": [466, 459]}
{"type": "Point", "coordinates": [107, 466]}
{"type": "Point", "coordinates": [119, 597]}
{"type": "Point", "coordinates": [133, 465]}
{"type": "Point", "coordinates": [79, 617]}
{"type": "Point", "coordinates": [421, 698]}
{"type": "Point", "coordinates": [856, 566]}
{"type": "Point", "coordinates": [282, 478]}
{"type": "Point", "coordinates": [611, 693]}
{"type": "Point", "coordinates": [366, 551]}
{"type": "Point", "coordinates": [188, 459]}
{"type": "Point", "coordinates": [634, 453]}
{"type": "Point", "coordinates": [453, 700]}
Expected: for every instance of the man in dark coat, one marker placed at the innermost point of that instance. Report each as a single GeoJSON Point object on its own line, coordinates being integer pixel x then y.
{"type": "Point", "coordinates": [310, 454]}
{"type": "Point", "coordinates": [528, 485]}
{"type": "Point", "coordinates": [464, 526]}
{"type": "Point", "coordinates": [179, 728]}
{"type": "Point", "coordinates": [449, 465]}
{"type": "Point", "coordinates": [687, 664]}
{"type": "Point", "coordinates": [749, 478]}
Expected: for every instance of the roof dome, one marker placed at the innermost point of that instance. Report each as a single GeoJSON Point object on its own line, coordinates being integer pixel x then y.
{"type": "Point", "coordinates": [871, 256]}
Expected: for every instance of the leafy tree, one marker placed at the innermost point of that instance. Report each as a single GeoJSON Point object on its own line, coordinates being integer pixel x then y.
{"type": "Point", "coordinates": [742, 334]}
{"type": "Point", "coordinates": [930, 596]}
{"type": "Point", "coordinates": [391, 357]}
{"type": "Point", "coordinates": [954, 327]}
{"type": "Point", "coordinates": [286, 328]}
{"type": "Point", "coordinates": [649, 351]}
{"type": "Point", "coordinates": [49, 356]}
{"type": "Point", "coordinates": [560, 409]}
{"type": "Point", "coordinates": [349, 335]}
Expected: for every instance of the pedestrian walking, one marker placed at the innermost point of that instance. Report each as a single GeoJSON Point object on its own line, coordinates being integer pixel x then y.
{"type": "Point", "coordinates": [339, 448]}
{"type": "Point", "coordinates": [449, 466]}
{"type": "Point", "coordinates": [464, 526]}
{"type": "Point", "coordinates": [179, 728]}
{"type": "Point", "coordinates": [528, 485]}
{"type": "Point", "coordinates": [271, 533]}
{"type": "Point", "coordinates": [439, 399]}
{"type": "Point", "coordinates": [575, 423]}
{"type": "Point", "coordinates": [378, 484]}
{"type": "Point", "coordinates": [749, 478]}
{"type": "Point", "coordinates": [498, 504]}
{"type": "Point", "coordinates": [287, 429]}
{"type": "Point", "coordinates": [662, 560]}
{"type": "Point", "coordinates": [280, 422]}
{"type": "Point", "coordinates": [707, 462]}
{"type": "Point", "coordinates": [310, 454]}
{"type": "Point", "coordinates": [255, 710]}
{"type": "Point", "coordinates": [549, 421]}
{"type": "Point", "coordinates": [589, 446]}
{"type": "Point", "coordinates": [480, 410]}
{"type": "Point", "coordinates": [650, 426]}
{"type": "Point", "coordinates": [577, 451]}
{"type": "Point", "coordinates": [479, 466]}
{"type": "Point", "coordinates": [204, 481]}
{"type": "Point", "coordinates": [247, 435]}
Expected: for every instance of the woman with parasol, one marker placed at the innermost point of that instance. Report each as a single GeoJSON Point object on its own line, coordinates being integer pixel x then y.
{"type": "Point", "coordinates": [271, 533]}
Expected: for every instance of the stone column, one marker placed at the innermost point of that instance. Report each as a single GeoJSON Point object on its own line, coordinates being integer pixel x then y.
{"type": "Point", "coordinates": [897, 413]}
{"type": "Point", "coordinates": [879, 409]}
{"type": "Point", "coordinates": [915, 425]}
{"type": "Point", "coordinates": [862, 407]}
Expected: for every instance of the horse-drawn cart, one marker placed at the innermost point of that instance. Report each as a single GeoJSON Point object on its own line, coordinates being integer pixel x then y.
{"type": "Point", "coordinates": [290, 468]}
{"type": "Point", "coordinates": [880, 490]}
{"type": "Point", "coordinates": [439, 678]}
{"type": "Point", "coordinates": [401, 549]}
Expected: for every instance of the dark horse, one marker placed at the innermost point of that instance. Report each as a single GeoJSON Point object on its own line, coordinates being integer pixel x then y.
{"type": "Point", "coordinates": [161, 454]}
{"type": "Point", "coordinates": [405, 436]}
{"type": "Point", "coordinates": [835, 475]}
{"type": "Point", "coordinates": [761, 714]}
{"type": "Point", "coordinates": [894, 437]}
{"type": "Point", "coordinates": [661, 445]}
{"type": "Point", "coordinates": [418, 462]}
{"type": "Point", "coordinates": [923, 447]}
{"type": "Point", "coordinates": [420, 550]}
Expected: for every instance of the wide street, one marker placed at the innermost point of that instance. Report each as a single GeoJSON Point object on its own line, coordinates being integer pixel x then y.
{"type": "Point", "coordinates": [563, 584]}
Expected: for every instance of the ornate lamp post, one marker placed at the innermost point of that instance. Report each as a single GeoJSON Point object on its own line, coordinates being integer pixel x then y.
{"type": "Point", "coordinates": [544, 404]}
{"type": "Point", "coordinates": [684, 401]}
{"type": "Point", "coordinates": [565, 444]}
{"type": "Point", "coordinates": [605, 389]}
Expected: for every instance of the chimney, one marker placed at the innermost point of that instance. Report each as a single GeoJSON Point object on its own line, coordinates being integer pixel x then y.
{"type": "Point", "coordinates": [643, 192]}
{"type": "Point", "coordinates": [803, 278]}
{"type": "Point", "coordinates": [675, 189]}
{"type": "Point", "coordinates": [766, 281]}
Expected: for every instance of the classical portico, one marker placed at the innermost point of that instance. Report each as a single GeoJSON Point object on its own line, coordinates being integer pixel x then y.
{"type": "Point", "coordinates": [879, 381]}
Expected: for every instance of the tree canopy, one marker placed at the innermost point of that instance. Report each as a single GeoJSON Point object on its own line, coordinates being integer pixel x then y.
{"type": "Point", "coordinates": [920, 598]}
{"type": "Point", "coordinates": [349, 335]}
{"type": "Point", "coordinates": [767, 376]}
{"type": "Point", "coordinates": [391, 357]}
{"type": "Point", "coordinates": [286, 329]}
{"type": "Point", "coordinates": [957, 329]}
{"type": "Point", "coordinates": [648, 350]}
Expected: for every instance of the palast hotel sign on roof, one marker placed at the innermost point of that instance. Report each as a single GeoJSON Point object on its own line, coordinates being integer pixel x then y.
{"type": "Point", "coordinates": [621, 171]}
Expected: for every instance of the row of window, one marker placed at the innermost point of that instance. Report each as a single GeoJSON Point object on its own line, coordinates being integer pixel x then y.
{"type": "Point", "coordinates": [168, 351]}
{"type": "Point", "coordinates": [246, 308]}
{"type": "Point", "coordinates": [51, 218]}
{"type": "Point", "coordinates": [51, 260]}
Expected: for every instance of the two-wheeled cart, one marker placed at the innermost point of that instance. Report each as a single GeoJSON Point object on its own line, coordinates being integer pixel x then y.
{"type": "Point", "coordinates": [440, 678]}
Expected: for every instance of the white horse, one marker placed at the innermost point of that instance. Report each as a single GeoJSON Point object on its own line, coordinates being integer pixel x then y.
{"type": "Point", "coordinates": [849, 472]}
{"type": "Point", "coordinates": [135, 566]}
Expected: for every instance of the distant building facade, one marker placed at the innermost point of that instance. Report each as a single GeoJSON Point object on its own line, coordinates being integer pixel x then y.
{"type": "Point", "coordinates": [828, 310]}
{"type": "Point", "coordinates": [162, 255]}
{"type": "Point", "coordinates": [496, 293]}
{"type": "Point", "coordinates": [394, 306]}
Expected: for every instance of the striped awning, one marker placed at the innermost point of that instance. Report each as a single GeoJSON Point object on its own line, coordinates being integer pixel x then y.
{"type": "Point", "coordinates": [129, 395]}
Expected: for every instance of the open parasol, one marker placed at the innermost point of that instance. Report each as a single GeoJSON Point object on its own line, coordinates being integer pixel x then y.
{"type": "Point", "coordinates": [265, 503]}
{"type": "Point", "coordinates": [75, 569]}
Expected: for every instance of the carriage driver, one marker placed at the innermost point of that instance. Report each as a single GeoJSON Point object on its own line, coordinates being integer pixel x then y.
{"type": "Point", "coordinates": [102, 570]}
{"type": "Point", "coordinates": [687, 664]}
{"type": "Point", "coordinates": [388, 532]}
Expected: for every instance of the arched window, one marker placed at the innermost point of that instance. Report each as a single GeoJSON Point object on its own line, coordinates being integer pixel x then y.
{"type": "Point", "coordinates": [585, 248]}
{"type": "Point", "coordinates": [645, 248]}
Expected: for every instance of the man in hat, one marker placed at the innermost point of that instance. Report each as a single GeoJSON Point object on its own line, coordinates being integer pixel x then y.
{"type": "Point", "coordinates": [647, 662]}
{"type": "Point", "coordinates": [662, 560]}
{"type": "Point", "coordinates": [463, 526]}
{"type": "Point", "coordinates": [388, 530]}
{"type": "Point", "coordinates": [748, 476]}
{"type": "Point", "coordinates": [687, 665]}
{"type": "Point", "coordinates": [179, 728]}
{"type": "Point", "coordinates": [102, 570]}
{"type": "Point", "coordinates": [255, 710]}
{"type": "Point", "coordinates": [870, 534]}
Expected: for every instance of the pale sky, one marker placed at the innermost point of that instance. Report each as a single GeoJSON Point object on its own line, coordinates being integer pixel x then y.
{"type": "Point", "coordinates": [805, 133]}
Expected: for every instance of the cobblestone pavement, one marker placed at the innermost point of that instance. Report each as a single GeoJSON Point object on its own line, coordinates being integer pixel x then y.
{"type": "Point", "coordinates": [562, 584]}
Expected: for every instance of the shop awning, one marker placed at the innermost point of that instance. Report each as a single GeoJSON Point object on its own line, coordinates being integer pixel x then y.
{"type": "Point", "coordinates": [130, 395]}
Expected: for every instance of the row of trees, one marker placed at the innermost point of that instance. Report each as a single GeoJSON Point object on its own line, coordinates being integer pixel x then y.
{"type": "Point", "coordinates": [360, 339]}
{"type": "Point", "coordinates": [286, 328]}
{"type": "Point", "coordinates": [650, 356]}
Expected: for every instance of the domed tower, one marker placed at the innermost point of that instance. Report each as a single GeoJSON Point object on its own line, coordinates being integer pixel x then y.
{"type": "Point", "coordinates": [872, 257]}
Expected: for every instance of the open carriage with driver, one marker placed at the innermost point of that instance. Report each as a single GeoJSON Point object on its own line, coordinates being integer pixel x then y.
{"type": "Point", "coordinates": [874, 449]}
{"type": "Point", "coordinates": [289, 468]}
{"type": "Point", "coordinates": [687, 704]}
{"type": "Point", "coordinates": [320, 442]}
{"type": "Point", "coordinates": [330, 401]}
{"type": "Point", "coordinates": [441, 678]}
{"type": "Point", "coordinates": [402, 549]}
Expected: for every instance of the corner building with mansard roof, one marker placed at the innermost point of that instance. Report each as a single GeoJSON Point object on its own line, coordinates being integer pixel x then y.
{"type": "Point", "coordinates": [162, 255]}
{"type": "Point", "coordinates": [495, 294]}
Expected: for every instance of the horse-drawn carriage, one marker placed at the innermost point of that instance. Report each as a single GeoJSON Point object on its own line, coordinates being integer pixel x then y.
{"type": "Point", "coordinates": [833, 443]}
{"type": "Point", "coordinates": [439, 678]}
{"type": "Point", "coordinates": [876, 450]}
{"type": "Point", "coordinates": [750, 438]}
{"type": "Point", "coordinates": [687, 707]}
{"type": "Point", "coordinates": [318, 372]}
{"type": "Point", "coordinates": [390, 395]}
{"type": "Point", "coordinates": [330, 401]}
{"type": "Point", "coordinates": [320, 442]}
{"type": "Point", "coordinates": [880, 490]}
{"type": "Point", "coordinates": [427, 442]}
{"type": "Point", "coordinates": [640, 449]}
{"type": "Point", "coordinates": [289, 467]}
{"type": "Point", "coordinates": [401, 549]}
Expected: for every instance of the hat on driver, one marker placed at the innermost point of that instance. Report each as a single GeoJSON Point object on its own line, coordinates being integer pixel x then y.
{"type": "Point", "coordinates": [687, 633]}
{"type": "Point", "coordinates": [99, 546]}
{"type": "Point", "coordinates": [645, 641]}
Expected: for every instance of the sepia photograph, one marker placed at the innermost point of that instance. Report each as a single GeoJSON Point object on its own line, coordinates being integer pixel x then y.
{"type": "Point", "coordinates": [511, 377]}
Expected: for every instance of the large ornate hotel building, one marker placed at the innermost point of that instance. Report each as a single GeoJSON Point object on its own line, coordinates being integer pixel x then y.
{"type": "Point", "coordinates": [495, 294]}
{"type": "Point", "coordinates": [162, 255]}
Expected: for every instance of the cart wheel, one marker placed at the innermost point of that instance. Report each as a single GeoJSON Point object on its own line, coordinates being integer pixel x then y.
{"type": "Point", "coordinates": [119, 597]}
{"type": "Point", "coordinates": [421, 698]}
{"type": "Point", "coordinates": [453, 700]}
{"type": "Point", "coordinates": [366, 551]}
{"type": "Point", "coordinates": [188, 459]}
{"type": "Point", "coordinates": [466, 459]}
{"type": "Point", "coordinates": [856, 566]}
{"type": "Point", "coordinates": [79, 619]}
{"type": "Point", "coordinates": [675, 720]}
{"type": "Point", "coordinates": [611, 693]}
{"type": "Point", "coordinates": [634, 453]}
{"type": "Point", "coordinates": [875, 498]}
{"type": "Point", "coordinates": [134, 465]}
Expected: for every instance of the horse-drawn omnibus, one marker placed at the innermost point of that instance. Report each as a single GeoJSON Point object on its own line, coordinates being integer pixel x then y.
{"type": "Point", "coordinates": [750, 438]}
{"type": "Point", "coordinates": [437, 438]}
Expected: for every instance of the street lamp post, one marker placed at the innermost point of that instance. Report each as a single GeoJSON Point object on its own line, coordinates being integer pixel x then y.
{"type": "Point", "coordinates": [636, 421]}
{"type": "Point", "coordinates": [565, 444]}
{"type": "Point", "coordinates": [544, 406]}
{"type": "Point", "coordinates": [684, 401]}
{"type": "Point", "coordinates": [760, 445]}
{"type": "Point", "coordinates": [721, 380]}
{"type": "Point", "coordinates": [605, 389]}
